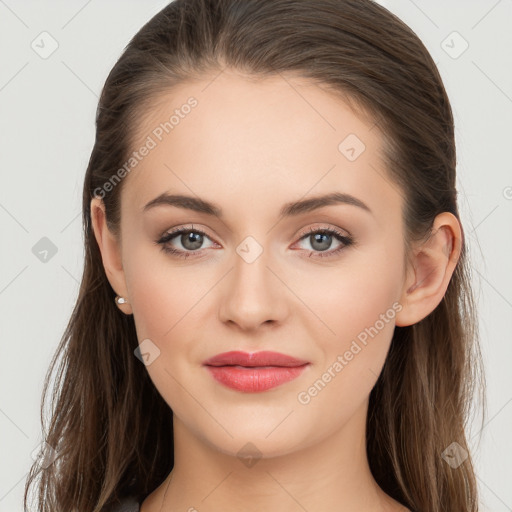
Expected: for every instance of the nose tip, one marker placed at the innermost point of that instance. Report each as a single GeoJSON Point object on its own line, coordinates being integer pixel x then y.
{"type": "Point", "coordinates": [252, 293]}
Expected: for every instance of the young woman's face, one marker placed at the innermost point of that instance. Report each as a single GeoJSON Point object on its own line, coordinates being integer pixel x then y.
{"type": "Point", "coordinates": [262, 275]}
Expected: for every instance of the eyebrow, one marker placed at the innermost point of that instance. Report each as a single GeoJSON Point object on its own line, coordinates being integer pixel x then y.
{"type": "Point", "coordinates": [288, 210]}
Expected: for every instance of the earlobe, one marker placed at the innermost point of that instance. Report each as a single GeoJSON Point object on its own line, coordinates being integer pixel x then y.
{"type": "Point", "coordinates": [431, 269]}
{"type": "Point", "coordinates": [110, 248]}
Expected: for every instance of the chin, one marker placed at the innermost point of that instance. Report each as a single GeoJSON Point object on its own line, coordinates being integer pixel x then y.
{"type": "Point", "coordinates": [256, 441]}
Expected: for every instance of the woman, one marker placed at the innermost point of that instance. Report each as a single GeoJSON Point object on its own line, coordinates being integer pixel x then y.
{"type": "Point", "coordinates": [275, 311]}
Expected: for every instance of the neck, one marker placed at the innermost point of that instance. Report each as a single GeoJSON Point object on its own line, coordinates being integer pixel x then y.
{"type": "Point", "coordinates": [331, 475]}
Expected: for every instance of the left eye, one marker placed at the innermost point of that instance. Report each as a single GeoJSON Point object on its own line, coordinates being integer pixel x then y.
{"type": "Point", "coordinates": [192, 239]}
{"type": "Point", "coordinates": [321, 240]}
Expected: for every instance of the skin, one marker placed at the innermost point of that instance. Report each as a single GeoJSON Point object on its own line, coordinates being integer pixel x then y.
{"type": "Point", "coordinates": [250, 147]}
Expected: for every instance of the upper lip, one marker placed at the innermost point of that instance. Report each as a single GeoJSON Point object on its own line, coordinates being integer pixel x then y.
{"type": "Point", "coordinates": [264, 358]}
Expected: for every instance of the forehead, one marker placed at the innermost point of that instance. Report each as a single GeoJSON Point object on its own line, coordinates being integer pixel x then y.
{"type": "Point", "coordinates": [256, 142]}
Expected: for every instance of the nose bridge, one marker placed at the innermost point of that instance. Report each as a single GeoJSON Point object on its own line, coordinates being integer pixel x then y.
{"type": "Point", "coordinates": [253, 294]}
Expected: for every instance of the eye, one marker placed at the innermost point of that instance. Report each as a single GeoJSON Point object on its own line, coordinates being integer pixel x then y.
{"type": "Point", "coordinates": [191, 240]}
{"type": "Point", "coordinates": [320, 240]}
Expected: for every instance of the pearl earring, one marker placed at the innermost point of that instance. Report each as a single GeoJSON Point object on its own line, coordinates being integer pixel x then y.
{"type": "Point", "coordinates": [121, 300]}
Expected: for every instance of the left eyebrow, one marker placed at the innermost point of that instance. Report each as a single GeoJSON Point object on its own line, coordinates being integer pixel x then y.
{"type": "Point", "coordinates": [288, 210]}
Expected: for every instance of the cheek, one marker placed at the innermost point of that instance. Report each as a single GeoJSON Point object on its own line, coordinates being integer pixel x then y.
{"type": "Point", "coordinates": [362, 318]}
{"type": "Point", "coordinates": [351, 296]}
{"type": "Point", "coordinates": [162, 292]}
{"type": "Point", "coordinates": [353, 326]}
{"type": "Point", "coordinates": [166, 306]}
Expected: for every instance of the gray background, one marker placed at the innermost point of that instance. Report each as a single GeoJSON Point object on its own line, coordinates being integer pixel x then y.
{"type": "Point", "coordinates": [47, 109]}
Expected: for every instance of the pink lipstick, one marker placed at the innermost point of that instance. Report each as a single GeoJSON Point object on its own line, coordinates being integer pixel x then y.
{"type": "Point", "coordinates": [256, 372]}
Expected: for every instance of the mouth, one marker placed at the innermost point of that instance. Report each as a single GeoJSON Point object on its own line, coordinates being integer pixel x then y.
{"type": "Point", "coordinates": [256, 359]}
{"type": "Point", "coordinates": [256, 372]}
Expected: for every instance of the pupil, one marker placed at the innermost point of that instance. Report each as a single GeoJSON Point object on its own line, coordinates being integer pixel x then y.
{"type": "Point", "coordinates": [192, 241]}
{"type": "Point", "coordinates": [321, 237]}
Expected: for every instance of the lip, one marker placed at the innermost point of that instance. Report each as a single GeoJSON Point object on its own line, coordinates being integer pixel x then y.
{"type": "Point", "coordinates": [256, 372]}
{"type": "Point", "coordinates": [250, 360]}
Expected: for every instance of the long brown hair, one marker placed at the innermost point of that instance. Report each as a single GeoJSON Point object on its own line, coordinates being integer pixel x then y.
{"type": "Point", "coordinates": [111, 429]}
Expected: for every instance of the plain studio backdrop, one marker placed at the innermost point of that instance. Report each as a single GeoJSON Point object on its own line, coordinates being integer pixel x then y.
{"type": "Point", "coordinates": [54, 59]}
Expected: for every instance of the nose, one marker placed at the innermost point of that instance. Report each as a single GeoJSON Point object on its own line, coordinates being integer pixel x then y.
{"type": "Point", "coordinates": [253, 294]}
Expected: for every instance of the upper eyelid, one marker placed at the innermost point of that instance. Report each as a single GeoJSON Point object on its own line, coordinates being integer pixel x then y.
{"type": "Point", "coordinates": [303, 233]}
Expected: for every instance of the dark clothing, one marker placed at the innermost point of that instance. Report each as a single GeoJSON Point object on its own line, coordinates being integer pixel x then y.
{"type": "Point", "coordinates": [128, 505]}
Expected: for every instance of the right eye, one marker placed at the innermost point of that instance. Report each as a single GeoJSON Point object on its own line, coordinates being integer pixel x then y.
{"type": "Point", "coordinates": [190, 239]}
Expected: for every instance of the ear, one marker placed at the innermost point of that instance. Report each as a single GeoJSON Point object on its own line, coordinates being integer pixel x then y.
{"type": "Point", "coordinates": [430, 270]}
{"type": "Point", "coordinates": [110, 248]}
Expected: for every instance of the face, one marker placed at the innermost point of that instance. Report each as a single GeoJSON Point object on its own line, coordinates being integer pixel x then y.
{"type": "Point", "coordinates": [321, 284]}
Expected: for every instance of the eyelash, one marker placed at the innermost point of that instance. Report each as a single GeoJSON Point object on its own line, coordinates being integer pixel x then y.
{"type": "Point", "coordinates": [167, 237]}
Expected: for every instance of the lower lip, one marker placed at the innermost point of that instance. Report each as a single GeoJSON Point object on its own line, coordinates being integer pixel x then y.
{"type": "Point", "coordinates": [254, 380]}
